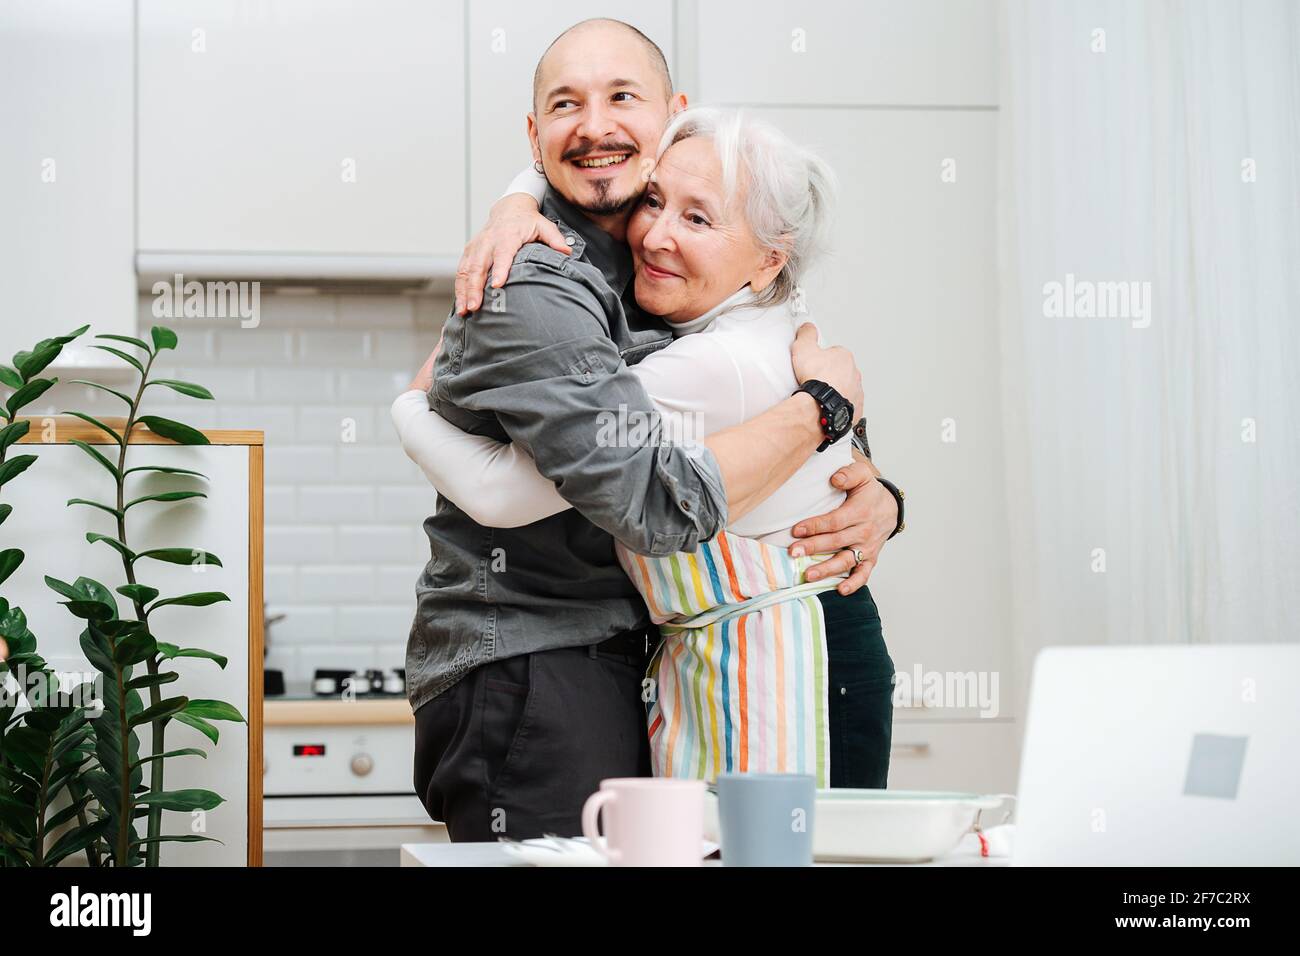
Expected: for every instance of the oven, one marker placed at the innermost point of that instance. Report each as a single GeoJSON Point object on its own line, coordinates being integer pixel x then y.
{"type": "Point", "coordinates": [337, 785]}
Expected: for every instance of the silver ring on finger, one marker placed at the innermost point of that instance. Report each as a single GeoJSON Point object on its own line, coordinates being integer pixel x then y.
{"type": "Point", "coordinates": [858, 556]}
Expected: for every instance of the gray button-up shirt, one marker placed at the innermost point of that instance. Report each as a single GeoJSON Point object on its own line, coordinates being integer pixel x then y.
{"type": "Point", "coordinates": [544, 363]}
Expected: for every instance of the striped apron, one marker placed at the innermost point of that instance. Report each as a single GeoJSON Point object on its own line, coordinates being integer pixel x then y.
{"type": "Point", "coordinates": [739, 682]}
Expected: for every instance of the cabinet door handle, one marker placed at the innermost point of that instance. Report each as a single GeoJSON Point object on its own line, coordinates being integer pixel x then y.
{"type": "Point", "coordinates": [909, 750]}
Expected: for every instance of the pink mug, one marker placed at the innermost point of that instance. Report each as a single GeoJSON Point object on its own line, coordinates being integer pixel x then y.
{"type": "Point", "coordinates": [649, 821]}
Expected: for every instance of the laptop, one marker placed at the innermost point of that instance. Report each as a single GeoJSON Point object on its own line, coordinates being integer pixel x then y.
{"type": "Point", "coordinates": [1161, 756]}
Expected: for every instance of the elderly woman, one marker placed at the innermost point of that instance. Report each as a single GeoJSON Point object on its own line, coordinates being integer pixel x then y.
{"type": "Point", "coordinates": [759, 668]}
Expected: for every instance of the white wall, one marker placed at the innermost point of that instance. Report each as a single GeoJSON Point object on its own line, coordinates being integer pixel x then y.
{"type": "Point", "coordinates": [888, 91]}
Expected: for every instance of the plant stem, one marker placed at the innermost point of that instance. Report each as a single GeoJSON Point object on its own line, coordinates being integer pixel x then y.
{"type": "Point", "coordinates": [157, 738]}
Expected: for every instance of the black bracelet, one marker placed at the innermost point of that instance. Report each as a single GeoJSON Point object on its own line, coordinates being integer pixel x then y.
{"type": "Point", "coordinates": [894, 490]}
{"type": "Point", "coordinates": [860, 438]}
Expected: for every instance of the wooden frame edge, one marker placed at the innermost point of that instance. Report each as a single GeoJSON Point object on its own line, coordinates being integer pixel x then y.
{"type": "Point", "coordinates": [67, 428]}
{"type": "Point", "coordinates": [255, 645]}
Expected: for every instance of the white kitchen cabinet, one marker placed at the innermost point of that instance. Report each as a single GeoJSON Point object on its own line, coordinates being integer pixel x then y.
{"type": "Point", "coordinates": [868, 52]}
{"type": "Point", "coordinates": [302, 128]}
{"type": "Point", "coordinates": [66, 185]}
{"type": "Point", "coordinates": [505, 40]}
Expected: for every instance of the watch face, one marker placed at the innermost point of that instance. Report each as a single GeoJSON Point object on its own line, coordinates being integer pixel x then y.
{"type": "Point", "coordinates": [840, 420]}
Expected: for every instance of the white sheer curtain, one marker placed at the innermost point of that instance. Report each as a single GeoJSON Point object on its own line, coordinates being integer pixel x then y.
{"type": "Point", "coordinates": [1154, 142]}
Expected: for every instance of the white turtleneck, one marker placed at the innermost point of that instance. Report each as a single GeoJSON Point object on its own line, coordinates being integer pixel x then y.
{"type": "Point", "coordinates": [721, 369]}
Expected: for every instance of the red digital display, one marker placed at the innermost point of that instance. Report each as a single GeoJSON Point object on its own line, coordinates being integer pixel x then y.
{"type": "Point", "coordinates": [309, 750]}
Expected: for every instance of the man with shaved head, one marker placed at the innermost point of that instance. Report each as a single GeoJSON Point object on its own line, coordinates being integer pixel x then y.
{"type": "Point", "coordinates": [529, 646]}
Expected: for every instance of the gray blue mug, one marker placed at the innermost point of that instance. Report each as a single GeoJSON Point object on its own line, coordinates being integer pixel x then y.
{"type": "Point", "coordinates": [766, 819]}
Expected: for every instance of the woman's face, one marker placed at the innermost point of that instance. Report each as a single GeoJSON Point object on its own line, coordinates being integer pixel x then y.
{"type": "Point", "coordinates": [691, 249]}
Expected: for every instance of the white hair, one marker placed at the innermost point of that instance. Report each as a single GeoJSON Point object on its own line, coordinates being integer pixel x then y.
{"type": "Point", "coordinates": [790, 189]}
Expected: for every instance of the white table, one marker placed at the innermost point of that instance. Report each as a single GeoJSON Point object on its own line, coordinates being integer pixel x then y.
{"type": "Point", "coordinates": [491, 854]}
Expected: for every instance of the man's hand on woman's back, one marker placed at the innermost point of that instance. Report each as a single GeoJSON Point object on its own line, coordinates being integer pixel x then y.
{"type": "Point", "coordinates": [513, 222]}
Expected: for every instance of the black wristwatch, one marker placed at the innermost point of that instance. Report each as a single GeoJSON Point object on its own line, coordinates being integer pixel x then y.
{"type": "Point", "coordinates": [894, 490]}
{"type": "Point", "coordinates": [836, 411]}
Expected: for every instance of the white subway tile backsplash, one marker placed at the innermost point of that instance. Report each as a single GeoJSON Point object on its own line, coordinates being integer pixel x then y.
{"type": "Point", "coordinates": [299, 544]}
{"type": "Point", "coordinates": [333, 345]}
{"type": "Point", "coordinates": [375, 624]}
{"type": "Point", "coordinates": [227, 383]}
{"type": "Point", "coordinates": [280, 583]}
{"type": "Point", "coordinates": [278, 422]}
{"type": "Point", "coordinates": [355, 657]}
{"type": "Point", "coordinates": [333, 584]}
{"type": "Point", "coordinates": [257, 346]}
{"type": "Point", "coordinates": [376, 311]}
{"type": "Point", "coordinates": [334, 503]}
{"type": "Point", "coordinates": [375, 386]}
{"type": "Point", "coordinates": [405, 349]}
{"type": "Point", "coordinates": [410, 504]}
{"type": "Point", "coordinates": [344, 542]}
{"type": "Point", "coordinates": [289, 464]}
{"type": "Point", "coordinates": [396, 582]}
{"type": "Point", "coordinates": [373, 542]}
{"type": "Point", "coordinates": [302, 624]}
{"type": "Point", "coordinates": [296, 385]}
{"type": "Point", "coordinates": [391, 655]}
{"type": "Point", "coordinates": [281, 503]}
{"type": "Point", "coordinates": [385, 464]}
{"type": "Point", "coordinates": [343, 424]}
{"type": "Point", "coordinates": [297, 310]}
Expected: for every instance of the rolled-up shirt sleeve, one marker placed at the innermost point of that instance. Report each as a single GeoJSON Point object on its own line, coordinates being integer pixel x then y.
{"type": "Point", "coordinates": [539, 358]}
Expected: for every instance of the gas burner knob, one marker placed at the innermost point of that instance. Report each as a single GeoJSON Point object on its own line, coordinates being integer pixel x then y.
{"type": "Point", "coordinates": [362, 764]}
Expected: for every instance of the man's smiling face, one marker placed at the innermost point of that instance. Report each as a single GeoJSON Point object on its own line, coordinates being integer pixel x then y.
{"type": "Point", "coordinates": [601, 104]}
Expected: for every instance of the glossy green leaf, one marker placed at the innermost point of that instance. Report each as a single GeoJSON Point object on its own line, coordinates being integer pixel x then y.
{"type": "Point", "coordinates": [153, 680]}
{"type": "Point", "coordinates": [5, 512]}
{"type": "Point", "coordinates": [28, 394]}
{"type": "Point", "coordinates": [98, 424]}
{"type": "Point", "coordinates": [180, 433]}
{"type": "Point", "coordinates": [118, 546]}
{"type": "Point", "coordinates": [12, 432]}
{"type": "Point", "coordinates": [11, 469]}
{"type": "Point", "coordinates": [163, 337]}
{"type": "Point", "coordinates": [10, 558]}
{"type": "Point", "coordinates": [10, 377]}
{"type": "Point", "coordinates": [183, 800]}
{"type": "Point", "coordinates": [138, 343]}
{"type": "Point", "coordinates": [185, 388]}
{"type": "Point", "coordinates": [164, 496]}
{"type": "Point", "coordinates": [39, 358]}
{"type": "Point", "coordinates": [104, 388]}
{"type": "Point", "coordinates": [160, 711]}
{"type": "Point", "coordinates": [166, 471]}
{"type": "Point", "coordinates": [213, 710]}
{"type": "Point", "coordinates": [140, 593]}
{"type": "Point", "coordinates": [96, 454]}
{"type": "Point", "coordinates": [95, 504]}
{"type": "Point", "coordinates": [129, 359]}
{"type": "Point", "coordinates": [198, 599]}
{"type": "Point", "coordinates": [180, 556]}
{"type": "Point", "coordinates": [201, 725]}
{"type": "Point", "coordinates": [169, 651]}
{"type": "Point", "coordinates": [182, 752]}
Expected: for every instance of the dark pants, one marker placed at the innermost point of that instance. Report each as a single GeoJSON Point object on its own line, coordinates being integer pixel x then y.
{"type": "Point", "coordinates": [516, 746]}
{"type": "Point", "coordinates": [861, 687]}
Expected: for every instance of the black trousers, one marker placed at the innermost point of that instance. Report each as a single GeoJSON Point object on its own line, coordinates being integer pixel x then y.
{"type": "Point", "coordinates": [516, 746]}
{"type": "Point", "coordinates": [860, 682]}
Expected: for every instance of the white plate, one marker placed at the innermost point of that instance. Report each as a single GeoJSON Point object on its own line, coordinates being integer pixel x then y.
{"type": "Point", "coordinates": [895, 826]}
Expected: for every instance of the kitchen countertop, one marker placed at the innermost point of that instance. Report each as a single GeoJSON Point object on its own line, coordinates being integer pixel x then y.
{"type": "Point", "coordinates": [333, 711]}
{"type": "Point", "coordinates": [491, 854]}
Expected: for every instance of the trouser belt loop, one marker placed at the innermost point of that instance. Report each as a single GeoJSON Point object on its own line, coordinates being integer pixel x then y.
{"type": "Point", "coordinates": [591, 651]}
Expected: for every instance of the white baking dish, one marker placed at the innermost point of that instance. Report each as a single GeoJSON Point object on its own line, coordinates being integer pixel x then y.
{"type": "Point", "coordinates": [895, 826]}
